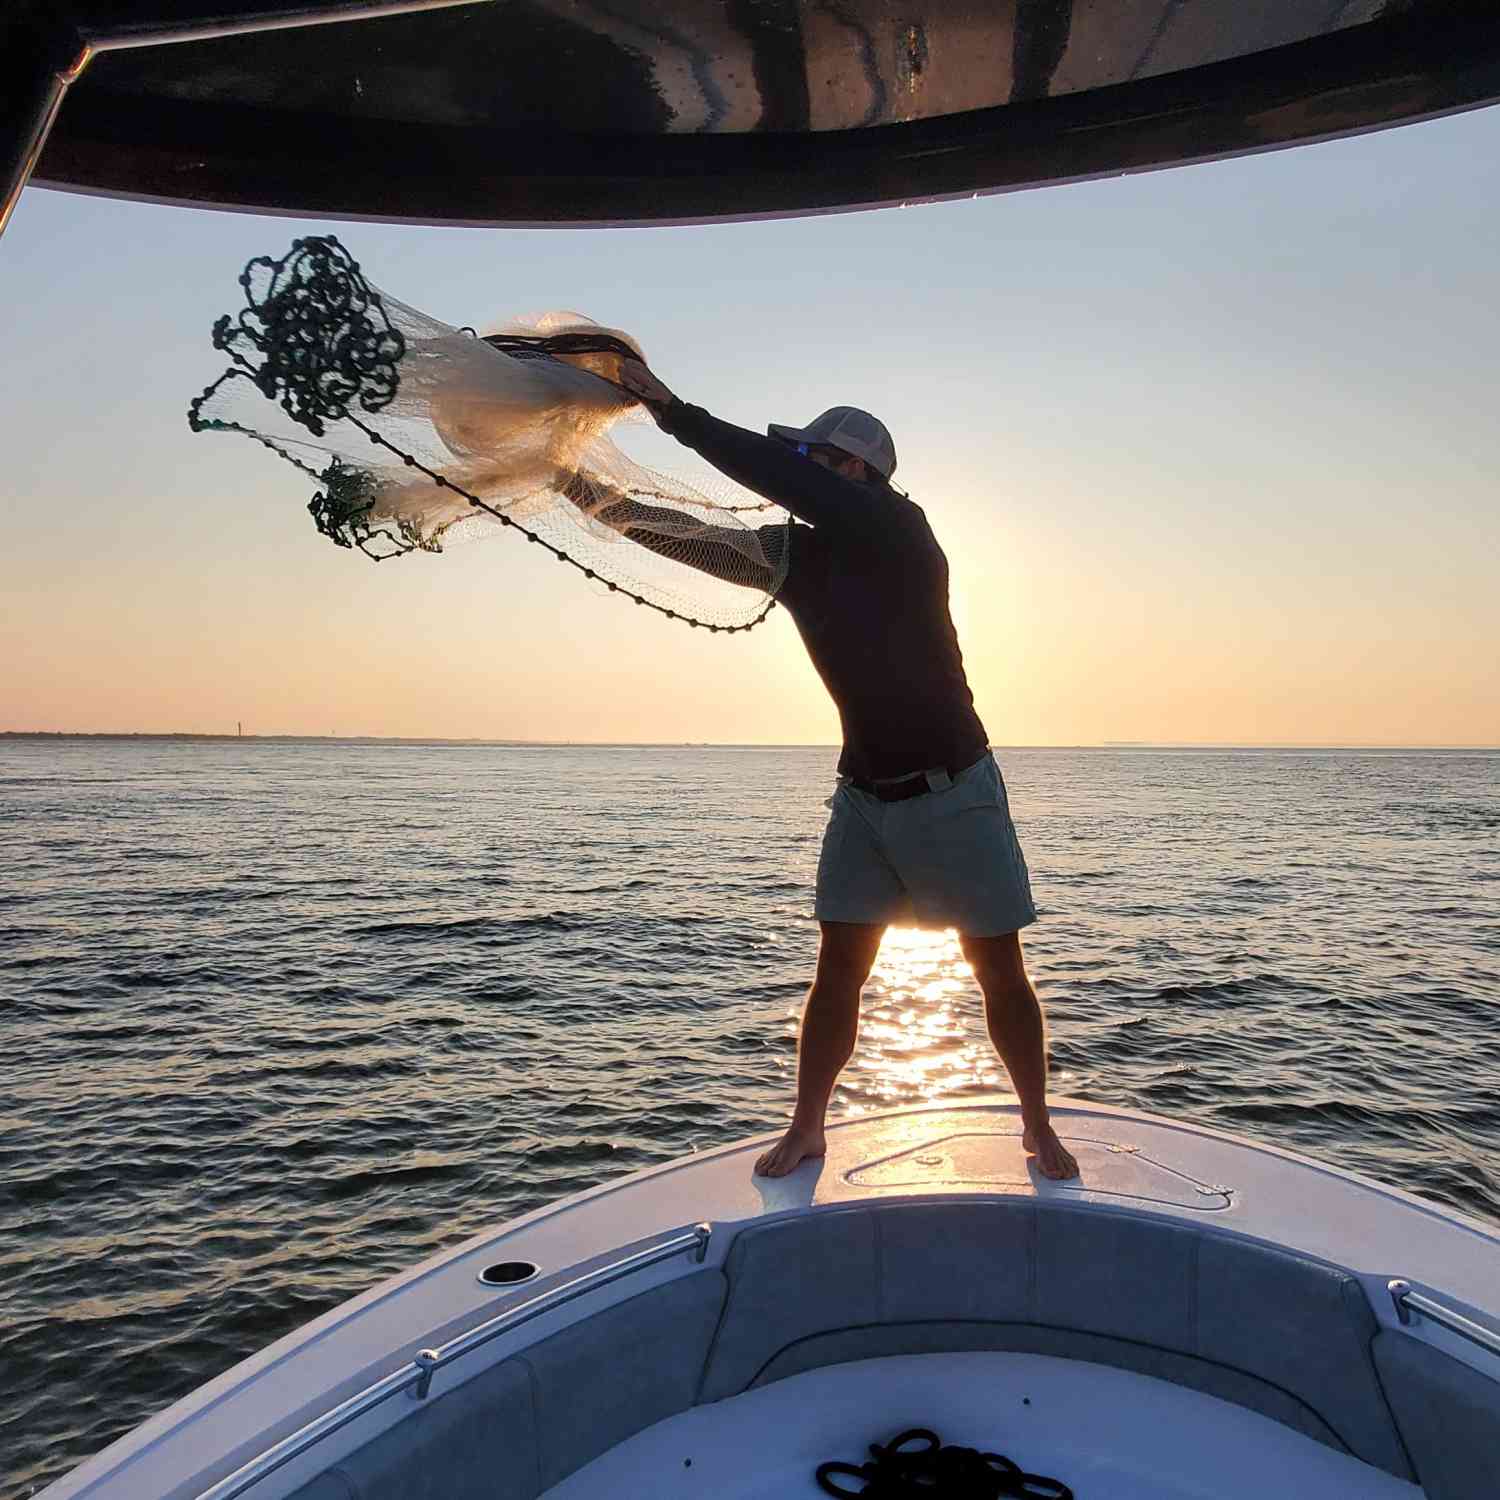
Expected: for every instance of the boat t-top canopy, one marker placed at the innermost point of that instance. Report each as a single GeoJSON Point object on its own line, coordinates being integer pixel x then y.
{"type": "Point", "coordinates": [556, 112]}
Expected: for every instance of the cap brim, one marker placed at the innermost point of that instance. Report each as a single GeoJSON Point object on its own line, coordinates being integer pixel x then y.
{"type": "Point", "coordinates": [788, 434]}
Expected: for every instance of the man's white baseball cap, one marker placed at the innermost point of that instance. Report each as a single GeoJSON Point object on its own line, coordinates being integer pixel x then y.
{"type": "Point", "coordinates": [848, 429]}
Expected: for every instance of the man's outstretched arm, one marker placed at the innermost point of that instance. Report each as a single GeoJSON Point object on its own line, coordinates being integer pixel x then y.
{"type": "Point", "coordinates": [762, 464]}
{"type": "Point", "coordinates": [716, 550]}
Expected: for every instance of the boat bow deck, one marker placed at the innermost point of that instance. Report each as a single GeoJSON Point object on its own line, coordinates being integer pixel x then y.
{"type": "Point", "coordinates": [1206, 1252]}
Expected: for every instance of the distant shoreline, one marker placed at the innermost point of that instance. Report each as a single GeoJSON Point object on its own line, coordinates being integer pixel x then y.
{"type": "Point", "coordinates": [376, 739]}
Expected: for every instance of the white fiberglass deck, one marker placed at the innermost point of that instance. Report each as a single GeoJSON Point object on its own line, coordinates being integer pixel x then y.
{"type": "Point", "coordinates": [1107, 1434]}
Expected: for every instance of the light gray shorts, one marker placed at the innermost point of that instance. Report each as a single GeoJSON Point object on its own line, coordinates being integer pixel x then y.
{"type": "Point", "coordinates": [950, 858]}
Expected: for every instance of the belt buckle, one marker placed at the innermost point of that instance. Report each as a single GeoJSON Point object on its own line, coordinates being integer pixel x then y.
{"type": "Point", "coordinates": [913, 784]}
{"type": "Point", "coordinates": [894, 788]}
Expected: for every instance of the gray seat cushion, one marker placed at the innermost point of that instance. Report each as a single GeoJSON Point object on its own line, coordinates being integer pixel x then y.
{"type": "Point", "coordinates": [604, 1379]}
{"type": "Point", "coordinates": [526, 1424]}
{"type": "Point", "coordinates": [476, 1443]}
{"type": "Point", "coordinates": [788, 1280]}
{"type": "Point", "coordinates": [1295, 1331]}
{"type": "Point", "coordinates": [1449, 1416]}
{"type": "Point", "coordinates": [1305, 1326]}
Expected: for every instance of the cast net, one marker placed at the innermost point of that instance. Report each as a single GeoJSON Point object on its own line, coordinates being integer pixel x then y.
{"type": "Point", "coordinates": [420, 434]}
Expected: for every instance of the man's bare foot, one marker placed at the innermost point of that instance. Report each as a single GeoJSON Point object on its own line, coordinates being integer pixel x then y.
{"type": "Point", "coordinates": [794, 1147]}
{"type": "Point", "coordinates": [1053, 1159]}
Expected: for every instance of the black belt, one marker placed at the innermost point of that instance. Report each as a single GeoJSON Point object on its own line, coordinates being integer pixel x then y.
{"type": "Point", "coordinates": [899, 788]}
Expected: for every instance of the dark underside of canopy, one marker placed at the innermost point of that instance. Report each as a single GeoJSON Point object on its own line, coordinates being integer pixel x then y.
{"type": "Point", "coordinates": [637, 111]}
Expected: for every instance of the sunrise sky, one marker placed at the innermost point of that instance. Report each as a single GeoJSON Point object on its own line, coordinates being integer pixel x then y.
{"type": "Point", "coordinates": [1212, 452]}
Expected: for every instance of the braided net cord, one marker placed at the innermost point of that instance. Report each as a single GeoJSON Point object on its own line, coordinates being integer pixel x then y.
{"type": "Point", "coordinates": [420, 434]}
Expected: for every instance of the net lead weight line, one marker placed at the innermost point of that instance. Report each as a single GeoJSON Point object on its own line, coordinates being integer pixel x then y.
{"type": "Point", "coordinates": [1408, 1302]}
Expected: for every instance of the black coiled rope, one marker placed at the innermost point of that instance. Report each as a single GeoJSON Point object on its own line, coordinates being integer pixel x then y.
{"type": "Point", "coordinates": [915, 1465]}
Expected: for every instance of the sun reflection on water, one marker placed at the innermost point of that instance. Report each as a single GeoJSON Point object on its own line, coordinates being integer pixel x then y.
{"type": "Point", "coordinates": [921, 1037]}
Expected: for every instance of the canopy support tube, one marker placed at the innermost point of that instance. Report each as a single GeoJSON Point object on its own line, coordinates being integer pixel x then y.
{"type": "Point", "coordinates": [42, 62]}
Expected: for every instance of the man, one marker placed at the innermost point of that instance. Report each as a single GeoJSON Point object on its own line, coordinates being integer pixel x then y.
{"type": "Point", "coordinates": [920, 824]}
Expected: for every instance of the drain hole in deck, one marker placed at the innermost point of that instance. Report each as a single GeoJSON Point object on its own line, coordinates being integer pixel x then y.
{"type": "Point", "coordinates": [508, 1273]}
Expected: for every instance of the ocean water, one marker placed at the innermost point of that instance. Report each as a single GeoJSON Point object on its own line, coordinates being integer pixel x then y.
{"type": "Point", "coordinates": [281, 1018]}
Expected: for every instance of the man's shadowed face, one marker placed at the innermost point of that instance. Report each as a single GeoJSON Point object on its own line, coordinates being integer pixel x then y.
{"type": "Point", "coordinates": [837, 460]}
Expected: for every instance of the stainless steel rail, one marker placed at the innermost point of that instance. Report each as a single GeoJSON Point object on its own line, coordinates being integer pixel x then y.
{"type": "Point", "coordinates": [296, 13]}
{"type": "Point", "coordinates": [416, 1375]}
{"type": "Point", "coordinates": [1408, 1302]}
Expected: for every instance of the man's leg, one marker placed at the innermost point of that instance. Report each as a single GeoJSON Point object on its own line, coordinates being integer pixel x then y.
{"type": "Point", "coordinates": [830, 1023]}
{"type": "Point", "coordinates": [1015, 1024]}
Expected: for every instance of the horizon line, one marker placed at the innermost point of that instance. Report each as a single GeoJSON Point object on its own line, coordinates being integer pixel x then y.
{"type": "Point", "coordinates": [399, 739]}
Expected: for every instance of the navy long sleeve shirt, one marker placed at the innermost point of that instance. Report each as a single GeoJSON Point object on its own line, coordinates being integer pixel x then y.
{"type": "Point", "coordinates": [867, 587]}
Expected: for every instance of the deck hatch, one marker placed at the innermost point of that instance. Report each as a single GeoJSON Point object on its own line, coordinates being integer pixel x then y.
{"type": "Point", "coordinates": [979, 1159]}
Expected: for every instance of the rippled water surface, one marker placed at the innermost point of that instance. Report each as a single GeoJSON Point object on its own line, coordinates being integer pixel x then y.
{"type": "Point", "coordinates": [281, 1018]}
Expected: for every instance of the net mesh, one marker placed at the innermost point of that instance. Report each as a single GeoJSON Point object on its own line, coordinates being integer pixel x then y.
{"type": "Point", "coordinates": [420, 434]}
